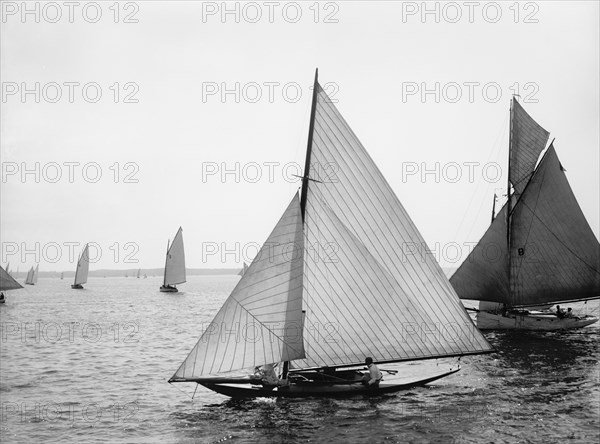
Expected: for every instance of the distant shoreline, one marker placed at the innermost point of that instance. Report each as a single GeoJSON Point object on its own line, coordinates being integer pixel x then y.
{"type": "Point", "coordinates": [149, 272]}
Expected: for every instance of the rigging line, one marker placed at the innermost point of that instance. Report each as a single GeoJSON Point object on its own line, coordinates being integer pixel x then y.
{"type": "Point", "coordinates": [493, 153]}
{"type": "Point", "coordinates": [560, 241]}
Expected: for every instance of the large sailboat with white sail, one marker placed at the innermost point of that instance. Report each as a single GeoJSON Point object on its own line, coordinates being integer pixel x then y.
{"type": "Point", "coordinates": [539, 249]}
{"type": "Point", "coordinates": [174, 264]}
{"type": "Point", "coordinates": [82, 270]}
{"type": "Point", "coordinates": [302, 319]}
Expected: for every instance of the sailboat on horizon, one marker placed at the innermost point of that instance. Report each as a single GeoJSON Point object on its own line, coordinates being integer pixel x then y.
{"type": "Point", "coordinates": [539, 249]}
{"type": "Point", "coordinates": [82, 270]}
{"type": "Point", "coordinates": [303, 318]}
{"type": "Point", "coordinates": [174, 264]}
{"type": "Point", "coordinates": [32, 275]}
{"type": "Point", "coordinates": [243, 270]}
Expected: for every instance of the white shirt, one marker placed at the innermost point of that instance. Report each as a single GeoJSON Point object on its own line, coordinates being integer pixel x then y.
{"type": "Point", "coordinates": [375, 374]}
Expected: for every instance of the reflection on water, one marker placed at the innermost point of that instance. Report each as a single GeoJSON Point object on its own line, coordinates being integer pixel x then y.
{"type": "Point", "coordinates": [93, 365]}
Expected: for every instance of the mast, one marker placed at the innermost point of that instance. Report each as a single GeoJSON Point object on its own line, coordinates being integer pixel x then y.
{"type": "Point", "coordinates": [494, 207]}
{"type": "Point", "coordinates": [309, 146]}
{"type": "Point", "coordinates": [166, 259]}
{"type": "Point", "coordinates": [305, 178]}
{"type": "Point", "coordinates": [509, 202]}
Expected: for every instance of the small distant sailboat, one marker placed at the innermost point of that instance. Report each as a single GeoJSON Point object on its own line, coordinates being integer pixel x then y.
{"type": "Point", "coordinates": [62, 276]}
{"type": "Point", "coordinates": [243, 270]}
{"type": "Point", "coordinates": [82, 270]}
{"type": "Point", "coordinates": [32, 275]}
{"type": "Point", "coordinates": [174, 264]}
{"type": "Point", "coordinates": [138, 273]}
{"type": "Point", "coordinates": [7, 283]}
{"type": "Point", "coordinates": [321, 316]}
{"type": "Point", "coordinates": [145, 276]}
{"type": "Point", "coordinates": [539, 249]}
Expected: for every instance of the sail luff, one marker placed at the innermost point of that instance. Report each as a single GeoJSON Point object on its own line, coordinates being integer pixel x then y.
{"type": "Point", "coordinates": [305, 178]}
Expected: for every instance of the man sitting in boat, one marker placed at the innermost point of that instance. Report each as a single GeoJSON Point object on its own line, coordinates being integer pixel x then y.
{"type": "Point", "coordinates": [267, 375]}
{"type": "Point", "coordinates": [374, 377]}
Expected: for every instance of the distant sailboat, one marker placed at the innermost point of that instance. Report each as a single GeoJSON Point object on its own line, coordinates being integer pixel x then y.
{"type": "Point", "coordinates": [174, 264]}
{"type": "Point", "coordinates": [32, 275]}
{"type": "Point", "coordinates": [320, 311]}
{"type": "Point", "coordinates": [539, 250]}
{"type": "Point", "coordinates": [138, 273]}
{"type": "Point", "coordinates": [243, 270]}
{"type": "Point", "coordinates": [145, 276]}
{"type": "Point", "coordinates": [82, 270]}
{"type": "Point", "coordinates": [7, 283]}
{"type": "Point", "coordinates": [62, 276]}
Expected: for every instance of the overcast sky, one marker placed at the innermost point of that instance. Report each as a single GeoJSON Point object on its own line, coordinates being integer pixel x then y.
{"type": "Point", "coordinates": [134, 112]}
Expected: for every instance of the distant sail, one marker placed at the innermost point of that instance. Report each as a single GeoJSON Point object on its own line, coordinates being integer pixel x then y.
{"type": "Point", "coordinates": [528, 140]}
{"type": "Point", "coordinates": [139, 272]}
{"type": "Point", "coordinates": [261, 321]}
{"type": "Point", "coordinates": [7, 282]}
{"type": "Point", "coordinates": [175, 261]}
{"type": "Point", "coordinates": [32, 275]}
{"type": "Point", "coordinates": [83, 266]}
{"type": "Point", "coordinates": [243, 270]}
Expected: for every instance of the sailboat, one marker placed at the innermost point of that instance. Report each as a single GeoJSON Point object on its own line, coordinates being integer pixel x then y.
{"type": "Point", "coordinates": [32, 275]}
{"type": "Point", "coordinates": [138, 273]}
{"type": "Point", "coordinates": [7, 283]}
{"type": "Point", "coordinates": [539, 249]}
{"type": "Point", "coordinates": [82, 270]}
{"type": "Point", "coordinates": [62, 276]}
{"type": "Point", "coordinates": [174, 264]}
{"type": "Point", "coordinates": [308, 314]}
{"type": "Point", "coordinates": [243, 270]}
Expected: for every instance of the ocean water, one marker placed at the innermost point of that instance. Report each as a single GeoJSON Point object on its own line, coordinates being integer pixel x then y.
{"type": "Point", "coordinates": [92, 366]}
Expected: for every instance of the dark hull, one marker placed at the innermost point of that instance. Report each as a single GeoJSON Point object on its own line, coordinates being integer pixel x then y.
{"type": "Point", "coordinates": [321, 390]}
{"type": "Point", "coordinates": [77, 286]}
{"type": "Point", "coordinates": [168, 289]}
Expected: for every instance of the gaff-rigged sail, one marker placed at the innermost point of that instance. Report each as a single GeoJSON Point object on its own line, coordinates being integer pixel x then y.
{"type": "Point", "coordinates": [32, 275]}
{"type": "Point", "coordinates": [528, 140]}
{"type": "Point", "coordinates": [366, 291]}
{"type": "Point", "coordinates": [7, 282]}
{"type": "Point", "coordinates": [175, 261]}
{"type": "Point", "coordinates": [83, 267]}
{"type": "Point", "coordinates": [554, 254]}
{"type": "Point", "coordinates": [261, 321]}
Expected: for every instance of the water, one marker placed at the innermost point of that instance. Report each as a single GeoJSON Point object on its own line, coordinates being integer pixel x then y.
{"type": "Point", "coordinates": [92, 365]}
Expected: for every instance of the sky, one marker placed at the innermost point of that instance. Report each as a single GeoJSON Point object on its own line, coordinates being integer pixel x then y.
{"type": "Point", "coordinates": [121, 122]}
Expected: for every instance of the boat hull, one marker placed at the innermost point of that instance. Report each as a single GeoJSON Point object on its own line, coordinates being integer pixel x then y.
{"type": "Point", "coordinates": [534, 322]}
{"type": "Point", "coordinates": [77, 286]}
{"type": "Point", "coordinates": [323, 390]}
{"type": "Point", "coordinates": [168, 289]}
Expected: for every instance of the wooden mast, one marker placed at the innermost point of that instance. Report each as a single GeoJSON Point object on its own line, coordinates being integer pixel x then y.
{"type": "Point", "coordinates": [305, 178]}
{"type": "Point", "coordinates": [509, 202]}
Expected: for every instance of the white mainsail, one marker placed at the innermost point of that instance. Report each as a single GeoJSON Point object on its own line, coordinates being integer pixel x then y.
{"type": "Point", "coordinates": [83, 267]}
{"type": "Point", "coordinates": [361, 293]}
{"type": "Point", "coordinates": [366, 294]}
{"type": "Point", "coordinates": [7, 282]}
{"type": "Point", "coordinates": [261, 321]}
{"type": "Point", "coordinates": [554, 254]}
{"type": "Point", "coordinates": [175, 261]}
